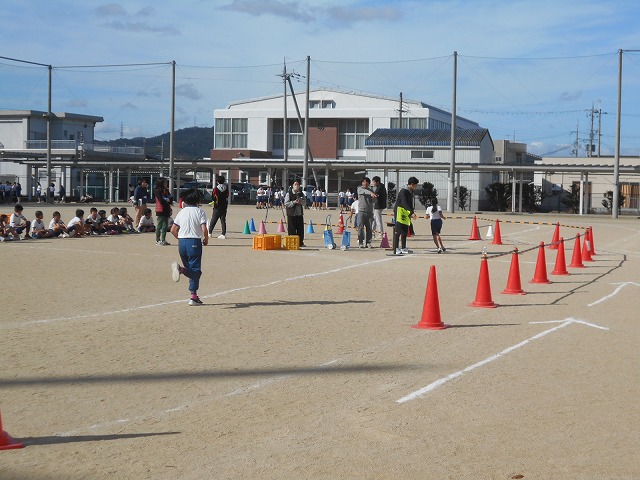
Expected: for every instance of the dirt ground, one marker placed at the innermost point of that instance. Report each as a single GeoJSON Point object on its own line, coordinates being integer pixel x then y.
{"type": "Point", "coordinates": [303, 364]}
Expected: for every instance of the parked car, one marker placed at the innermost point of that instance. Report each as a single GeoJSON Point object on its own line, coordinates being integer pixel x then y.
{"type": "Point", "coordinates": [241, 192]}
{"type": "Point", "coordinates": [205, 187]}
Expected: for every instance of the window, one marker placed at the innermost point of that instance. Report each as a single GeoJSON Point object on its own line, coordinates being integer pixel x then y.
{"type": "Point", "coordinates": [314, 103]}
{"type": "Point", "coordinates": [353, 133]}
{"type": "Point", "coordinates": [498, 159]}
{"type": "Point", "coordinates": [421, 154]}
{"type": "Point", "coordinates": [438, 125]}
{"type": "Point", "coordinates": [243, 176]}
{"type": "Point", "coordinates": [231, 133]}
{"type": "Point", "coordinates": [296, 135]}
{"type": "Point", "coordinates": [328, 104]}
{"type": "Point", "coordinates": [409, 123]}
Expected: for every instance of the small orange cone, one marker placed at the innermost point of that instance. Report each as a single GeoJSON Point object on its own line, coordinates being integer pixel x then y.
{"type": "Point", "coordinates": [540, 275]}
{"type": "Point", "coordinates": [593, 246]}
{"type": "Point", "coordinates": [280, 226]}
{"type": "Point", "coordinates": [6, 442]}
{"type": "Point", "coordinates": [586, 249]}
{"type": "Point", "coordinates": [475, 234]}
{"type": "Point", "coordinates": [340, 225]}
{"type": "Point", "coordinates": [263, 228]}
{"type": "Point", "coordinates": [576, 260]}
{"type": "Point", "coordinates": [514, 286]}
{"type": "Point", "coordinates": [483, 292]}
{"type": "Point", "coordinates": [556, 237]}
{"type": "Point", "coordinates": [431, 308]}
{"type": "Point", "coordinates": [385, 241]}
{"type": "Point", "coordinates": [561, 264]}
{"type": "Point", "coordinates": [497, 238]}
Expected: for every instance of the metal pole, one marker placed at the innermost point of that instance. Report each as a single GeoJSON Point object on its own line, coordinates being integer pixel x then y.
{"type": "Point", "coordinates": [616, 163]}
{"type": "Point", "coordinates": [173, 120]}
{"type": "Point", "coordinates": [306, 130]}
{"type": "Point", "coordinates": [49, 132]}
{"type": "Point", "coordinates": [451, 179]}
{"type": "Point", "coordinates": [285, 144]}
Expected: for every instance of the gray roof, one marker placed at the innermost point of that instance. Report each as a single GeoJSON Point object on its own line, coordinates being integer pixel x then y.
{"type": "Point", "coordinates": [425, 137]}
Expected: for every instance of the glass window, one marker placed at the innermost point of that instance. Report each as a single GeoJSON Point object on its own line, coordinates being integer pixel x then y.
{"type": "Point", "coordinates": [353, 133]}
{"type": "Point", "coordinates": [231, 132]}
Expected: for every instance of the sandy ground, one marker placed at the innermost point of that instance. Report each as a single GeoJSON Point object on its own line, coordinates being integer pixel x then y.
{"type": "Point", "coordinates": [303, 365]}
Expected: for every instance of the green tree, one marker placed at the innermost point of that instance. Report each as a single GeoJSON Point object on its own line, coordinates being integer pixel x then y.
{"type": "Point", "coordinates": [499, 196]}
{"type": "Point", "coordinates": [427, 192]}
{"type": "Point", "coordinates": [572, 200]}
{"type": "Point", "coordinates": [608, 200]}
{"type": "Point", "coordinates": [464, 197]}
{"type": "Point", "coordinates": [391, 194]}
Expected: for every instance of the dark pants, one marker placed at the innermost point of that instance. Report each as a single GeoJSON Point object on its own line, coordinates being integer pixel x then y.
{"type": "Point", "coordinates": [365, 219]}
{"type": "Point", "coordinates": [161, 229]}
{"type": "Point", "coordinates": [400, 232]}
{"type": "Point", "coordinates": [219, 214]}
{"type": "Point", "coordinates": [295, 226]}
{"type": "Point", "coordinates": [190, 250]}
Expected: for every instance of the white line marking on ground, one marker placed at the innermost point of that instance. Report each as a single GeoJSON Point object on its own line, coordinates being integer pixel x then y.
{"type": "Point", "coordinates": [217, 294]}
{"type": "Point", "coordinates": [438, 383]}
{"type": "Point", "coordinates": [614, 293]}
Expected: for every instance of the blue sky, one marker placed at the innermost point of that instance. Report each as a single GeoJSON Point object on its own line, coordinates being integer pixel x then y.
{"type": "Point", "coordinates": [529, 71]}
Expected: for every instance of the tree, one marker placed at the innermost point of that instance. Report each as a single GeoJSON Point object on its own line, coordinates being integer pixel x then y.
{"type": "Point", "coordinates": [427, 193]}
{"type": "Point", "coordinates": [573, 199]}
{"type": "Point", "coordinates": [391, 194]}
{"type": "Point", "coordinates": [608, 200]}
{"type": "Point", "coordinates": [464, 197]}
{"type": "Point", "coordinates": [499, 196]}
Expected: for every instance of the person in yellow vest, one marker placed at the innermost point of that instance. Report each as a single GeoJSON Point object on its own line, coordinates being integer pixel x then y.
{"type": "Point", "coordinates": [404, 211]}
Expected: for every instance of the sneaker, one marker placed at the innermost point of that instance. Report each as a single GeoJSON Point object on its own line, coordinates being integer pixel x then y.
{"type": "Point", "coordinates": [158, 242]}
{"type": "Point", "coordinates": [361, 245]}
{"type": "Point", "coordinates": [398, 251]}
{"type": "Point", "coordinates": [444, 249]}
{"type": "Point", "coordinates": [406, 250]}
{"type": "Point", "coordinates": [439, 250]}
{"type": "Point", "coordinates": [195, 301]}
{"type": "Point", "coordinates": [175, 272]}
{"type": "Point", "coordinates": [165, 244]}
{"type": "Point", "coordinates": [369, 245]}
{"type": "Point", "coordinates": [65, 235]}
{"type": "Point", "coordinates": [221, 237]}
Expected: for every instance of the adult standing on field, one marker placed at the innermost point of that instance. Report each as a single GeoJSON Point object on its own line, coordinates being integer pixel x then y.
{"type": "Point", "coordinates": [140, 198]}
{"type": "Point", "coordinates": [404, 211]}
{"type": "Point", "coordinates": [220, 202]}
{"type": "Point", "coordinates": [294, 202]}
{"type": "Point", "coordinates": [379, 206]}
{"type": "Point", "coordinates": [366, 197]}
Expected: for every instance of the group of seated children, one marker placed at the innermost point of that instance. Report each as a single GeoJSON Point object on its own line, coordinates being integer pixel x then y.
{"type": "Point", "coordinates": [97, 223]}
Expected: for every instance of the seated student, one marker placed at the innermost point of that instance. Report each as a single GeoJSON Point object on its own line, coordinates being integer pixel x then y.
{"type": "Point", "coordinates": [93, 222]}
{"type": "Point", "coordinates": [39, 230]}
{"type": "Point", "coordinates": [57, 226]}
{"type": "Point", "coordinates": [146, 222]}
{"type": "Point", "coordinates": [6, 232]}
{"type": "Point", "coordinates": [76, 224]}
{"type": "Point", "coordinates": [112, 223]}
{"type": "Point", "coordinates": [126, 221]}
{"type": "Point", "coordinates": [19, 222]}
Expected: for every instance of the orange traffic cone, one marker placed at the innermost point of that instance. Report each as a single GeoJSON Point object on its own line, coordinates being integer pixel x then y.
{"type": "Point", "coordinates": [514, 286]}
{"type": "Point", "coordinates": [586, 249]}
{"type": "Point", "coordinates": [431, 308]}
{"type": "Point", "coordinates": [475, 234]}
{"type": "Point", "coordinates": [483, 292]}
{"type": "Point", "coordinates": [540, 275]}
{"type": "Point", "coordinates": [385, 241]}
{"type": "Point", "coordinates": [555, 238]}
{"type": "Point", "coordinates": [497, 238]}
{"type": "Point", "coordinates": [576, 260]}
{"type": "Point", "coordinates": [340, 225]}
{"type": "Point", "coordinates": [280, 226]}
{"type": "Point", "coordinates": [561, 264]}
{"type": "Point", "coordinates": [263, 228]}
{"type": "Point", "coordinates": [593, 247]}
{"type": "Point", "coordinates": [6, 442]}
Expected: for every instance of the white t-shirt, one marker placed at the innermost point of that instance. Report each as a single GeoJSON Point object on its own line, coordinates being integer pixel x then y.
{"type": "Point", "coordinates": [113, 218]}
{"type": "Point", "coordinates": [145, 222]}
{"type": "Point", "coordinates": [190, 220]}
{"type": "Point", "coordinates": [74, 221]}
{"type": "Point", "coordinates": [434, 215]}
{"type": "Point", "coordinates": [53, 223]}
{"type": "Point", "coordinates": [354, 206]}
{"type": "Point", "coordinates": [17, 219]}
{"type": "Point", "coordinates": [37, 224]}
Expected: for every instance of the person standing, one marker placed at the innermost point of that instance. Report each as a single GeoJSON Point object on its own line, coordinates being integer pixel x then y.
{"type": "Point", "coordinates": [379, 206]}
{"type": "Point", "coordinates": [294, 202]}
{"type": "Point", "coordinates": [62, 194]}
{"type": "Point", "coordinates": [366, 197]}
{"type": "Point", "coordinates": [190, 228]}
{"type": "Point", "coordinates": [141, 197]}
{"type": "Point", "coordinates": [51, 190]}
{"type": "Point", "coordinates": [39, 192]}
{"type": "Point", "coordinates": [434, 212]}
{"type": "Point", "coordinates": [163, 210]}
{"type": "Point", "coordinates": [220, 202]}
{"type": "Point", "coordinates": [404, 211]}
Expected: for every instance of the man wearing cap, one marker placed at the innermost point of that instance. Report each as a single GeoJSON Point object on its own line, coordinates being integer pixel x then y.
{"type": "Point", "coordinates": [404, 212]}
{"type": "Point", "coordinates": [366, 198]}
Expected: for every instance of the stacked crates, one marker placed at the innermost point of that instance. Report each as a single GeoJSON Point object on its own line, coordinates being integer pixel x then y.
{"type": "Point", "coordinates": [267, 242]}
{"type": "Point", "coordinates": [291, 242]}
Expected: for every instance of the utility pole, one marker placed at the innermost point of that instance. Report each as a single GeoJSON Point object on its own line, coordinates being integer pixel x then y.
{"type": "Point", "coordinates": [576, 144]}
{"type": "Point", "coordinates": [452, 163]}
{"type": "Point", "coordinates": [591, 145]}
{"type": "Point", "coordinates": [285, 144]}
{"type": "Point", "coordinates": [401, 110]}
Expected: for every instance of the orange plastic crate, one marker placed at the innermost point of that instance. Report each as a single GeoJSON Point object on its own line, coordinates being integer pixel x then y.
{"type": "Point", "coordinates": [267, 242]}
{"type": "Point", "coordinates": [291, 242]}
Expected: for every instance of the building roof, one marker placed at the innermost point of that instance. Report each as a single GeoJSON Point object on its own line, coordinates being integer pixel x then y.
{"type": "Point", "coordinates": [421, 137]}
{"type": "Point", "coordinates": [41, 114]}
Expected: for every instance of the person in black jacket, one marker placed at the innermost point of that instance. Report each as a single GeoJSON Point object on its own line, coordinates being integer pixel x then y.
{"type": "Point", "coordinates": [404, 212]}
{"type": "Point", "coordinates": [220, 203]}
{"type": "Point", "coordinates": [294, 202]}
{"type": "Point", "coordinates": [379, 205]}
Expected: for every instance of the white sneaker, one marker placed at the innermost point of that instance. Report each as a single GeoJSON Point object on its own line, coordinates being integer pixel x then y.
{"type": "Point", "coordinates": [398, 251]}
{"type": "Point", "coordinates": [221, 237]}
{"type": "Point", "coordinates": [65, 235]}
{"type": "Point", "coordinates": [175, 272]}
{"type": "Point", "coordinates": [368, 245]}
{"type": "Point", "coordinates": [406, 250]}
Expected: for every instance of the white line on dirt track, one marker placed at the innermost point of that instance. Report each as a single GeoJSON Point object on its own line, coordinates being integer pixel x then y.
{"type": "Point", "coordinates": [438, 383]}
{"type": "Point", "coordinates": [213, 295]}
{"type": "Point", "coordinates": [614, 293]}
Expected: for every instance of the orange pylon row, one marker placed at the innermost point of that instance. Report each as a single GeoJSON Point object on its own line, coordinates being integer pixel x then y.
{"type": "Point", "coordinates": [431, 317]}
